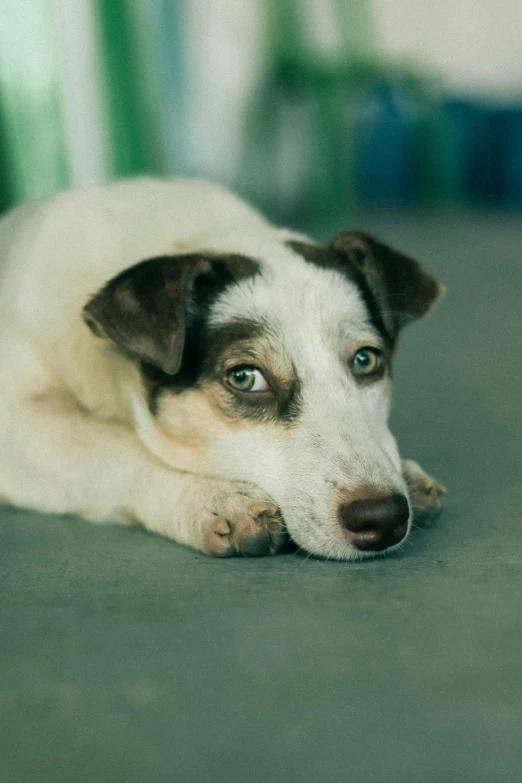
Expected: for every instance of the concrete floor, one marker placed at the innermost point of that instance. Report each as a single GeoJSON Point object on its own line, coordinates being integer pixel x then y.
{"type": "Point", "coordinates": [124, 657]}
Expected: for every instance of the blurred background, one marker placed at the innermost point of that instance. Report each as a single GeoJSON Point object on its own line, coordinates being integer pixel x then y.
{"type": "Point", "coordinates": [307, 107]}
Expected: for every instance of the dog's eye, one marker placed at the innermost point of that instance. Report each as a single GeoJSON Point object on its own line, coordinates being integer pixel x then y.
{"type": "Point", "coordinates": [247, 379]}
{"type": "Point", "coordinates": [367, 361]}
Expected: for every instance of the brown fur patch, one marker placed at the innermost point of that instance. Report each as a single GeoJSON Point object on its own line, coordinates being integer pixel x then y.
{"type": "Point", "coordinates": [195, 417]}
{"type": "Point", "coordinates": [192, 421]}
{"type": "Point", "coordinates": [236, 344]}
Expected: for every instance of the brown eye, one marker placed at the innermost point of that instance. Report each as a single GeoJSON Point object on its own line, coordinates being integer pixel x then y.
{"type": "Point", "coordinates": [247, 379]}
{"type": "Point", "coordinates": [367, 361]}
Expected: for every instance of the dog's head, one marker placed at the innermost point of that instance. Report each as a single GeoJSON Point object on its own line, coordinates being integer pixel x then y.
{"type": "Point", "coordinates": [276, 371]}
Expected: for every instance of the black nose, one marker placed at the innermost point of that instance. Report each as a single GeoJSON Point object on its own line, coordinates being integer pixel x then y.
{"type": "Point", "coordinates": [376, 524]}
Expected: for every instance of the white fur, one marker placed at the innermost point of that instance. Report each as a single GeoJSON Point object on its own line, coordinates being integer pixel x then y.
{"type": "Point", "coordinates": [76, 432]}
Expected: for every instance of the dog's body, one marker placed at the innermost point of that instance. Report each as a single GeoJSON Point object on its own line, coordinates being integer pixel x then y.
{"type": "Point", "coordinates": [172, 360]}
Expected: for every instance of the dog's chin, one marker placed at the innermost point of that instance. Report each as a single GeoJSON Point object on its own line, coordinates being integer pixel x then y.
{"type": "Point", "coordinates": [333, 546]}
{"type": "Point", "coordinates": [336, 551]}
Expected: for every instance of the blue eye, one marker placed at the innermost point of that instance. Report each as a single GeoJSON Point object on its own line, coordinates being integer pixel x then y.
{"type": "Point", "coordinates": [247, 379]}
{"type": "Point", "coordinates": [367, 361]}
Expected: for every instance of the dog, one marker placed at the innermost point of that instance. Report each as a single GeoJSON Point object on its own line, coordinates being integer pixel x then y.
{"type": "Point", "coordinates": [172, 360]}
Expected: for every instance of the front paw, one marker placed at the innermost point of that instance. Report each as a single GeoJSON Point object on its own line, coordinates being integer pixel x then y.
{"type": "Point", "coordinates": [425, 492]}
{"type": "Point", "coordinates": [242, 520]}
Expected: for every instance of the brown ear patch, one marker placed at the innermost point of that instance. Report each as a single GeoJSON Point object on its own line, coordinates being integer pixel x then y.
{"type": "Point", "coordinates": [404, 290]}
{"type": "Point", "coordinates": [145, 309]}
{"type": "Point", "coordinates": [395, 288]}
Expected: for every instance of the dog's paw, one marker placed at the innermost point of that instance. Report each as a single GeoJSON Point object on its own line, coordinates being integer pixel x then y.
{"type": "Point", "coordinates": [425, 492]}
{"type": "Point", "coordinates": [243, 520]}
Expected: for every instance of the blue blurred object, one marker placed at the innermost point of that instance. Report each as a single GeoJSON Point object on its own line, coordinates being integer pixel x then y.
{"type": "Point", "coordinates": [464, 151]}
{"type": "Point", "coordinates": [513, 155]}
{"type": "Point", "coordinates": [475, 132]}
{"type": "Point", "coordinates": [486, 142]}
{"type": "Point", "coordinates": [385, 139]}
{"type": "Point", "coordinates": [462, 122]}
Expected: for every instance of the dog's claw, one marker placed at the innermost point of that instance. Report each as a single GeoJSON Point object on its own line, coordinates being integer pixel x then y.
{"type": "Point", "coordinates": [425, 492]}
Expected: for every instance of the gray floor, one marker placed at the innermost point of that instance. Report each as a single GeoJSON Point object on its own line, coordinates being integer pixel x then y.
{"type": "Point", "coordinates": [127, 658]}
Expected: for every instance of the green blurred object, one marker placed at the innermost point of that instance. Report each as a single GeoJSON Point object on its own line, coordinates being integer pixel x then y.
{"type": "Point", "coordinates": [31, 133]}
{"type": "Point", "coordinates": [298, 154]}
{"type": "Point", "coordinates": [127, 51]}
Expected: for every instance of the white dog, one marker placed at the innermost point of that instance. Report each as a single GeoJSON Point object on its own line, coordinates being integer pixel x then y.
{"type": "Point", "coordinates": [172, 360]}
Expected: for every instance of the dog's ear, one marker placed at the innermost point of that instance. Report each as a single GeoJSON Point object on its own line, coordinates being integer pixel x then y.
{"type": "Point", "coordinates": [144, 310]}
{"type": "Point", "coordinates": [397, 286]}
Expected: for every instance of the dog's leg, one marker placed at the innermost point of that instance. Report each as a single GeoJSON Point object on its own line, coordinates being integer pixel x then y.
{"type": "Point", "coordinates": [425, 492]}
{"type": "Point", "coordinates": [57, 458]}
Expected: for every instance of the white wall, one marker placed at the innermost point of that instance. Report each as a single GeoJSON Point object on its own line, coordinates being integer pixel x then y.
{"type": "Point", "coordinates": [223, 49]}
{"type": "Point", "coordinates": [475, 44]}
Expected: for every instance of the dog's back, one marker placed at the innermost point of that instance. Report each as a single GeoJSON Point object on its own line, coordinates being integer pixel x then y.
{"type": "Point", "coordinates": [65, 248]}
